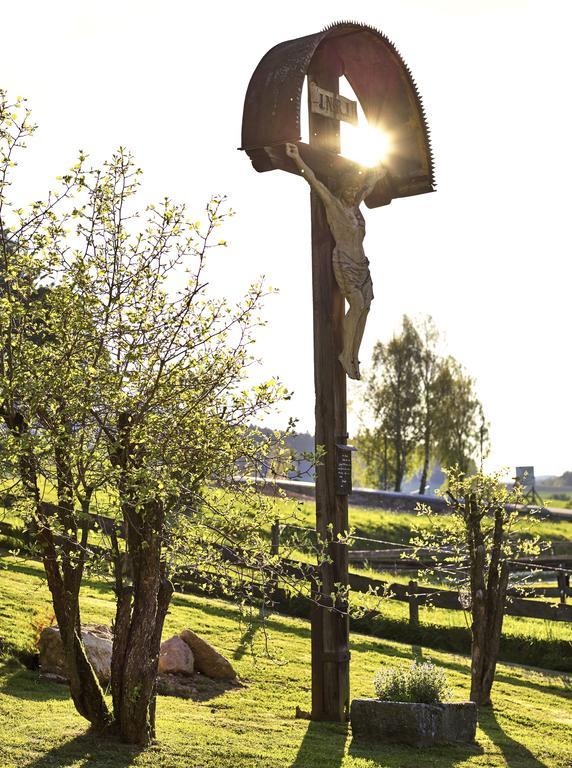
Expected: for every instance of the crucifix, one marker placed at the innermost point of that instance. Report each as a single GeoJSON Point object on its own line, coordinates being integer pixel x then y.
{"type": "Point", "coordinates": [340, 269]}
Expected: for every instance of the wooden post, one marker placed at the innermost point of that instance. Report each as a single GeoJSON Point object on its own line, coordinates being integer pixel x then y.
{"type": "Point", "coordinates": [275, 537]}
{"type": "Point", "coordinates": [330, 629]}
{"type": "Point", "coordinates": [272, 585]}
{"type": "Point", "coordinates": [563, 581]}
{"type": "Point", "coordinates": [413, 605]}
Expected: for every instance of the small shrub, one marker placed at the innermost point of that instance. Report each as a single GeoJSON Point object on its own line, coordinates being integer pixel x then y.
{"type": "Point", "coordinates": [423, 683]}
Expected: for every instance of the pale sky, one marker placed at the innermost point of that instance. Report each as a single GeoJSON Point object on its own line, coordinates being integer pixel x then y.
{"type": "Point", "coordinates": [488, 255]}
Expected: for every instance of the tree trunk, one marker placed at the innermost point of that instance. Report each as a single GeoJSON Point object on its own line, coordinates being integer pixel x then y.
{"type": "Point", "coordinates": [489, 599]}
{"type": "Point", "coordinates": [493, 638]}
{"type": "Point", "coordinates": [399, 472]}
{"type": "Point", "coordinates": [120, 640]}
{"type": "Point", "coordinates": [139, 624]}
{"type": "Point", "coordinates": [85, 690]}
{"type": "Point", "coordinates": [478, 596]}
{"type": "Point", "coordinates": [398, 479]}
{"type": "Point", "coordinates": [64, 569]}
{"type": "Point", "coordinates": [497, 583]}
{"type": "Point", "coordinates": [136, 715]}
{"type": "Point", "coordinates": [426, 462]}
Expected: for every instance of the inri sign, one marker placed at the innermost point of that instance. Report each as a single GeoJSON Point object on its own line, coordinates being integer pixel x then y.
{"type": "Point", "coordinates": [332, 105]}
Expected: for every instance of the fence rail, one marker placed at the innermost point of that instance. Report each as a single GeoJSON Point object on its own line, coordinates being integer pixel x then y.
{"type": "Point", "coordinates": [399, 559]}
{"type": "Point", "coordinates": [412, 593]}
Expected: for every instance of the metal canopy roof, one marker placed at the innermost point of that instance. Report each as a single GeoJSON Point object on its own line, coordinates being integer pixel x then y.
{"type": "Point", "coordinates": [382, 83]}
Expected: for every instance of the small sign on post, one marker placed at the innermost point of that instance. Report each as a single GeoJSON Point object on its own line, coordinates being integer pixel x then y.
{"type": "Point", "coordinates": [525, 481]}
{"type": "Point", "coordinates": [329, 104]}
{"type": "Point", "coordinates": [344, 469]}
{"type": "Point", "coordinates": [525, 477]}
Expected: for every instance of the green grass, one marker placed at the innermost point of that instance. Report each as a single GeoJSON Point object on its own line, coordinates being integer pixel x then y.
{"type": "Point", "coordinates": [254, 726]}
{"type": "Point", "coordinates": [537, 641]}
{"type": "Point", "coordinates": [513, 626]}
{"type": "Point", "coordinates": [396, 526]}
{"type": "Point", "coordinates": [559, 503]}
{"type": "Point", "coordinates": [392, 526]}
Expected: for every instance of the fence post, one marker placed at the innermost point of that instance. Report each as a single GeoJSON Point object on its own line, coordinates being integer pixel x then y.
{"type": "Point", "coordinates": [275, 537]}
{"type": "Point", "coordinates": [272, 584]}
{"type": "Point", "coordinates": [563, 581]}
{"type": "Point", "coordinates": [413, 605]}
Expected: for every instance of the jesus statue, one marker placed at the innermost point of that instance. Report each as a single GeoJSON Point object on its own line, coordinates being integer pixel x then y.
{"type": "Point", "coordinates": [351, 267]}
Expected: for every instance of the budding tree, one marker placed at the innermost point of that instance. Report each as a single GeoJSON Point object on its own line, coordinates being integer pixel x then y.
{"type": "Point", "coordinates": [393, 394]}
{"type": "Point", "coordinates": [123, 388]}
{"type": "Point", "coordinates": [473, 546]}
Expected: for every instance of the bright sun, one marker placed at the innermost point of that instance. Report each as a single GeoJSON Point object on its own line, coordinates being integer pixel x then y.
{"type": "Point", "coordinates": [364, 144]}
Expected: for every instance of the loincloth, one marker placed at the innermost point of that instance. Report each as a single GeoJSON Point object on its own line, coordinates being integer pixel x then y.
{"type": "Point", "coordinates": [352, 275]}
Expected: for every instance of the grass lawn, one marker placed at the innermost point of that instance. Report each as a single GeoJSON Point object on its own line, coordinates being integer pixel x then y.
{"type": "Point", "coordinates": [389, 525]}
{"type": "Point", "coordinates": [254, 726]}
{"type": "Point", "coordinates": [396, 526]}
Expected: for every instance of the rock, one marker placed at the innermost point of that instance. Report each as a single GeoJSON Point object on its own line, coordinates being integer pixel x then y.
{"type": "Point", "coordinates": [419, 725]}
{"type": "Point", "coordinates": [208, 661]}
{"type": "Point", "coordinates": [176, 657]}
{"type": "Point", "coordinates": [98, 642]}
{"type": "Point", "coordinates": [51, 652]}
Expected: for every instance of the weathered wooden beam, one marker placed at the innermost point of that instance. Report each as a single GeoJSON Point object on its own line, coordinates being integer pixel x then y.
{"type": "Point", "coordinates": [330, 629]}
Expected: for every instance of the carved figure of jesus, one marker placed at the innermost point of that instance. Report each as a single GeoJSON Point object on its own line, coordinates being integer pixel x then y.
{"type": "Point", "coordinates": [351, 267]}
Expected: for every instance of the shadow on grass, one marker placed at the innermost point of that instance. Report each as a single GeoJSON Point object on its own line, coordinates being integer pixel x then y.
{"type": "Point", "coordinates": [36, 570]}
{"type": "Point", "coordinates": [205, 689]}
{"type": "Point", "coordinates": [323, 746]}
{"type": "Point", "coordinates": [245, 642]}
{"type": "Point", "coordinates": [24, 684]}
{"type": "Point", "coordinates": [389, 647]}
{"type": "Point", "coordinates": [85, 750]}
{"type": "Point", "coordinates": [403, 756]}
{"type": "Point", "coordinates": [514, 753]}
{"type": "Point", "coordinates": [231, 613]}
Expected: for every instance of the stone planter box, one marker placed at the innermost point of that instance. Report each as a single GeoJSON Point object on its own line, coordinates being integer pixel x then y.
{"type": "Point", "coordinates": [420, 725]}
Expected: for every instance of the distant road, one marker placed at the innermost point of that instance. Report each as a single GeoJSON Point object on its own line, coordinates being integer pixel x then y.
{"type": "Point", "coordinates": [556, 512]}
{"type": "Point", "coordinates": [401, 502]}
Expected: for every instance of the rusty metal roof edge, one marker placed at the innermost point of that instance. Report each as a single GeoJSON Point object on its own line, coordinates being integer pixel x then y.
{"type": "Point", "coordinates": [426, 131]}
{"type": "Point", "coordinates": [318, 38]}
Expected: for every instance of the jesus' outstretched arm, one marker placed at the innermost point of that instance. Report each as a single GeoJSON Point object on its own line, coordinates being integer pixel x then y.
{"type": "Point", "coordinates": [320, 189]}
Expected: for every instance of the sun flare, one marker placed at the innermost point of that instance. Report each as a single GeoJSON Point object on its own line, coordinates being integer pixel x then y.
{"type": "Point", "coordinates": [365, 144]}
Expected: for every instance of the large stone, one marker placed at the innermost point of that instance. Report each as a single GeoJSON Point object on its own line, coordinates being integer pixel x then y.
{"type": "Point", "coordinates": [208, 661]}
{"type": "Point", "coordinates": [417, 724]}
{"type": "Point", "coordinates": [176, 657]}
{"type": "Point", "coordinates": [98, 643]}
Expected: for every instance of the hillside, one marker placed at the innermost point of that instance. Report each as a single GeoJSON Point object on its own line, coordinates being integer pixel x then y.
{"type": "Point", "coordinates": [254, 726]}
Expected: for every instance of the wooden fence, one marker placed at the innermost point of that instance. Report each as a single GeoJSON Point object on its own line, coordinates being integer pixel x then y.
{"type": "Point", "coordinates": [411, 593]}
{"type": "Point", "coordinates": [519, 601]}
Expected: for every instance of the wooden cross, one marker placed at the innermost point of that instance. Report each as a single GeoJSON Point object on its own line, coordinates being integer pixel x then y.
{"type": "Point", "coordinates": [271, 121]}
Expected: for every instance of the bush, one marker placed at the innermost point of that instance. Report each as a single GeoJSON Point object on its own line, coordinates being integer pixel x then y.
{"type": "Point", "coordinates": [423, 683]}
